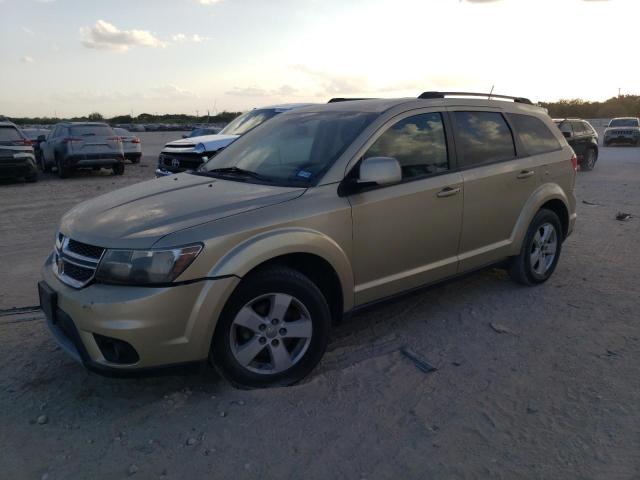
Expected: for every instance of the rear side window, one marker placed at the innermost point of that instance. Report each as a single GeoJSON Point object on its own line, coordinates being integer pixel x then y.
{"type": "Point", "coordinates": [10, 134]}
{"type": "Point", "coordinates": [91, 131]}
{"type": "Point", "coordinates": [483, 137]}
{"type": "Point", "coordinates": [534, 134]}
{"type": "Point", "coordinates": [418, 143]}
{"type": "Point", "coordinates": [578, 128]}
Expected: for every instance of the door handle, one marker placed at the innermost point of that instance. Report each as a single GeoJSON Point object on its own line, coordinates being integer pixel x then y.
{"type": "Point", "coordinates": [525, 174]}
{"type": "Point", "coordinates": [448, 192]}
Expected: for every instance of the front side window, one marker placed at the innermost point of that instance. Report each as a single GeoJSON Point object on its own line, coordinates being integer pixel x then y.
{"type": "Point", "coordinates": [483, 137]}
{"type": "Point", "coordinates": [248, 121]}
{"type": "Point", "coordinates": [534, 134]}
{"type": "Point", "coordinates": [293, 149]}
{"type": "Point", "coordinates": [418, 143]}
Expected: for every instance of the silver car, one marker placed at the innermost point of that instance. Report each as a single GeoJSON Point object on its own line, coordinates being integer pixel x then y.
{"type": "Point", "coordinates": [75, 145]}
{"type": "Point", "coordinates": [131, 145]}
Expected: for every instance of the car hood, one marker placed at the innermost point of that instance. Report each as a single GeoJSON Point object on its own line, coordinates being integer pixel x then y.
{"type": "Point", "coordinates": [211, 142]}
{"type": "Point", "coordinates": [139, 215]}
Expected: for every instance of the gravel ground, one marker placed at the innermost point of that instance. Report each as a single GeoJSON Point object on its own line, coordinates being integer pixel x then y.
{"type": "Point", "coordinates": [530, 383]}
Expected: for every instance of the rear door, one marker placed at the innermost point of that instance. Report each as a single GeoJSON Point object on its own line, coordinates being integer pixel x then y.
{"type": "Point", "coordinates": [498, 180]}
{"type": "Point", "coordinates": [580, 138]}
{"type": "Point", "coordinates": [406, 235]}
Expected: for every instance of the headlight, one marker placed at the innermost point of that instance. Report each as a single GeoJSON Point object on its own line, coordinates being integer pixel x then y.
{"type": "Point", "coordinates": [200, 148]}
{"type": "Point", "coordinates": [143, 267]}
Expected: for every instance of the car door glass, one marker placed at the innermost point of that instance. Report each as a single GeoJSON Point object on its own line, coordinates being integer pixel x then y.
{"type": "Point", "coordinates": [418, 143]}
{"type": "Point", "coordinates": [565, 128]}
{"type": "Point", "coordinates": [578, 128]}
{"type": "Point", "coordinates": [534, 135]}
{"type": "Point", "coordinates": [483, 137]}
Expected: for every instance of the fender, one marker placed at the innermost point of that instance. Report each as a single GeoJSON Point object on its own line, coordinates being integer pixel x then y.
{"type": "Point", "coordinates": [265, 246]}
{"type": "Point", "coordinates": [544, 193]}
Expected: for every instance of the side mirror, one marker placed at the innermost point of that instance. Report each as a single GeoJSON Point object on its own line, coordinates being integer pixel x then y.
{"type": "Point", "coordinates": [380, 170]}
{"type": "Point", "coordinates": [42, 138]}
{"type": "Point", "coordinates": [567, 134]}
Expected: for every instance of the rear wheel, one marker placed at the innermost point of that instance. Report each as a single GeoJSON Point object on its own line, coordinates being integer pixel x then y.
{"type": "Point", "coordinates": [540, 250]}
{"type": "Point", "coordinates": [63, 171]}
{"type": "Point", "coordinates": [273, 331]}
{"type": "Point", "coordinates": [135, 159]}
{"type": "Point", "coordinates": [32, 177]}
{"type": "Point", "coordinates": [589, 160]}
{"type": "Point", "coordinates": [118, 169]}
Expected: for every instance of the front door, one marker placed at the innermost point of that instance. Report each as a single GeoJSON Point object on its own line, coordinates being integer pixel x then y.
{"type": "Point", "coordinates": [406, 235]}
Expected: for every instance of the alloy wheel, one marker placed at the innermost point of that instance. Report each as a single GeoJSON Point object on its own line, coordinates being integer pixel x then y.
{"type": "Point", "coordinates": [543, 248]}
{"type": "Point", "coordinates": [271, 333]}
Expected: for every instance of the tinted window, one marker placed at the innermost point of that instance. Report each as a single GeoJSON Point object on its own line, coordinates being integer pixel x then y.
{"type": "Point", "coordinates": [587, 127]}
{"type": "Point", "coordinates": [483, 137]}
{"type": "Point", "coordinates": [565, 127]}
{"type": "Point", "coordinates": [418, 143]}
{"type": "Point", "coordinates": [292, 149]}
{"type": "Point", "coordinates": [10, 134]}
{"type": "Point", "coordinates": [578, 128]}
{"type": "Point", "coordinates": [534, 134]}
{"type": "Point", "coordinates": [92, 131]}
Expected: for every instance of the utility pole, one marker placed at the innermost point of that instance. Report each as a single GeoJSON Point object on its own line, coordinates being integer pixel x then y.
{"type": "Point", "coordinates": [619, 91]}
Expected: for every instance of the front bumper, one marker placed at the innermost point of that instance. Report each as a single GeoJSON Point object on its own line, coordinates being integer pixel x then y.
{"type": "Point", "coordinates": [164, 325]}
{"type": "Point", "coordinates": [622, 139]}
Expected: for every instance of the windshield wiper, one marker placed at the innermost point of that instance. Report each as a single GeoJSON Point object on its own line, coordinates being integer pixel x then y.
{"type": "Point", "coordinates": [240, 172]}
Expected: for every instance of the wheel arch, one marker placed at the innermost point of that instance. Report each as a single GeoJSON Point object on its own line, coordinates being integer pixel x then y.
{"type": "Point", "coordinates": [311, 252]}
{"type": "Point", "coordinates": [549, 196]}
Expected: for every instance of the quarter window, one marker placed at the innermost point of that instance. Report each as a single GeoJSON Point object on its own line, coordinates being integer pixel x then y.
{"type": "Point", "coordinates": [483, 137]}
{"type": "Point", "coordinates": [418, 143]}
{"type": "Point", "coordinates": [534, 135]}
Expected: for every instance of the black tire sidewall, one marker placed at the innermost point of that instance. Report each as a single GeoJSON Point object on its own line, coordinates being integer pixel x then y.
{"type": "Point", "coordinates": [542, 217]}
{"type": "Point", "coordinates": [277, 281]}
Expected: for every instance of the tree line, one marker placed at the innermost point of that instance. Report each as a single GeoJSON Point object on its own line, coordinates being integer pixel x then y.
{"type": "Point", "coordinates": [622, 106]}
{"type": "Point", "coordinates": [143, 118]}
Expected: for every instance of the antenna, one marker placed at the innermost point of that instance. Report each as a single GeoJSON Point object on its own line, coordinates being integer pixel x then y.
{"type": "Point", "coordinates": [492, 87]}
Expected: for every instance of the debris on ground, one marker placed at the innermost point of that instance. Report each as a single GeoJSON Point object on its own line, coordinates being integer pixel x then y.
{"type": "Point", "coordinates": [132, 470]}
{"type": "Point", "coordinates": [587, 202]}
{"type": "Point", "coordinates": [42, 419]}
{"type": "Point", "coordinates": [418, 361]}
{"type": "Point", "coordinates": [499, 328]}
{"type": "Point", "coordinates": [623, 217]}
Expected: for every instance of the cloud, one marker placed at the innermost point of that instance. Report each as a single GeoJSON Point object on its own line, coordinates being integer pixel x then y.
{"type": "Point", "coordinates": [171, 91]}
{"type": "Point", "coordinates": [253, 91]}
{"type": "Point", "coordinates": [28, 31]}
{"type": "Point", "coordinates": [182, 38]}
{"type": "Point", "coordinates": [335, 84]}
{"type": "Point", "coordinates": [27, 59]}
{"type": "Point", "coordinates": [105, 36]}
{"type": "Point", "coordinates": [208, 2]}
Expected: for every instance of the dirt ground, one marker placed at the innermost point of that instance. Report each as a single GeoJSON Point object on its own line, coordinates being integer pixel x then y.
{"type": "Point", "coordinates": [531, 383]}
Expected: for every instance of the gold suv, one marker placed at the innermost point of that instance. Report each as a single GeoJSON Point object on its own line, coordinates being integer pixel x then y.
{"type": "Point", "coordinates": [311, 216]}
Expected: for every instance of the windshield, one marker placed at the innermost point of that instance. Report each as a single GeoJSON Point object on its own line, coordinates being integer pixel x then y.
{"type": "Point", "coordinates": [293, 149]}
{"type": "Point", "coordinates": [248, 121]}
{"type": "Point", "coordinates": [624, 122]}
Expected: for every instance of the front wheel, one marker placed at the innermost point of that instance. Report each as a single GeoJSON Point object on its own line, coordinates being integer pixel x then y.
{"type": "Point", "coordinates": [273, 331]}
{"type": "Point", "coordinates": [540, 250]}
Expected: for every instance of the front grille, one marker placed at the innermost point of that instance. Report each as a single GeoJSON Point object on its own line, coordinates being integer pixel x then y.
{"type": "Point", "coordinates": [184, 161]}
{"type": "Point", "coordinates": [623, 132]}
{"type": "Point", "coordinates": [75, 263]}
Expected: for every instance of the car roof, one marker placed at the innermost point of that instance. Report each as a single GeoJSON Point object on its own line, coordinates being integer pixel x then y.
{"type": "Point", "coordinates": [625, 118]}
{"type": "Point", "coordinates": [7, 123]}
{"type": "Point", "coordinates": [75, 124]}
{"type": "Point", "coordinates": [380, 105]}
{"type": "Point", "coordinates": [285, 106]}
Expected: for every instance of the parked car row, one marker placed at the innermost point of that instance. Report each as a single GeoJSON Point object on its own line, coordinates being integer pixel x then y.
{"type": "Point", "coordinates": [16, 153]}
{"type": "Point", "coordinates": [319, 212]}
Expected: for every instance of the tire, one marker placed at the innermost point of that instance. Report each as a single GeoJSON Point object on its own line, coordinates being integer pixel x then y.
{"type": "Point", "coordinates": [31, 178]}
{"type": "Point", "coordinates": [63, 172]}
{"type": "Point", "coordinates": [589, 160]}
{"type": "Point", "coordinates": [524, 268]}
{"type": "Point", "coordinates": [118, 169]}
{"type": "Point", "coordinates": [44, 168]}
{"type": "Point", "coordinates": [135, 159]}
{"type": "Point", "coordinates": [257, 295]}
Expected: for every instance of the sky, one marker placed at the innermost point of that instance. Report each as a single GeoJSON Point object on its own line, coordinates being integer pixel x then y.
{"type": "Point", "coordinates": [72, 57]}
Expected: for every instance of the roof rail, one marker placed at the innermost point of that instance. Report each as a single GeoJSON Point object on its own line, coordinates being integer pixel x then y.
{"type": "Point", "coordinates": [431, 95]}
{"type": "Point", "coordinates": [339, 99]}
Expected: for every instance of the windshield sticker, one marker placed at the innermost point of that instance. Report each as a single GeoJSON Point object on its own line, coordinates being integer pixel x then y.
{"type": "Point", "coordinates": [304, 174]}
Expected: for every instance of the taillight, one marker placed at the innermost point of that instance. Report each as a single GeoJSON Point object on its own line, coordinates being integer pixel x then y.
{"type": "Point", "coordinates": [71, 140]}
{"type": "Point", "coordinates": [26, 142]}
{"type": "Point", "coordinates": [135, 140]}
{"type": "Point", "coordinates": [574, 162]}
{"type": "Point", "coordinates": [115, 139]}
